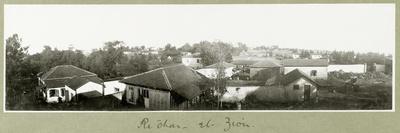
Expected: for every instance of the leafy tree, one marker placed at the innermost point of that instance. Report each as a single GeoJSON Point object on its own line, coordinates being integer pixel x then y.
{"type": "Point", "coordinates": [15, 55]}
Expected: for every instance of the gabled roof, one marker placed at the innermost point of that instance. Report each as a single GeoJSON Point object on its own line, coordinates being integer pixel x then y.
{"type": "Point", "coordinates": [224, 65]}
{"type": "Point", "coordinates": [90, 94]}
{"type": "Point", "coordinates": [244, 62]}
{"type": "Point", "coordinates": [295, 75]}
{"type": "Point", "coordinates": [65, 71]}
{"type": "Point", "coordinates": [177, 78]}
{"type": "Point", "coordinates": [305, 63]}
{"type": "Point", "coordinates": [76, 82]}
{"type": "Point", "coordinates": [266, 63]}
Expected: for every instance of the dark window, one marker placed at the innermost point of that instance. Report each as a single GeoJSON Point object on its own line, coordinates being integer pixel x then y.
{"type": "Point", "coordinates": [198, 60]}
{"type": "Point", "coordinates": [62, 92]}
{"type": "Point", "coordinates": [313, 73]}
{"type": "Point", "coordinates": [146, 93]}
{"type": "Point", "coordinates": [296, 87]}
{"type": "Point", "coordinates": [116, 89]}
{"type": "Point", "coordinates": [52, 93]}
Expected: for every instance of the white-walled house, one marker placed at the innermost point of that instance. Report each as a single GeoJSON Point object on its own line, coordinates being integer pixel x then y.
{"type": "Point", "coordinates": [211, 71]}
{"type": "Point", "coordinates": [316, 56]}
{"type": "Point", "coordinates": [314, 68]}
{"type": "Point", "coordinates": [87, 87]}
{"type": "Point", "coordinates": [192, 60]}
{"type": "Point", "coordinates": [296, 56]}
{"type": "Point", "coordinates": [348, 68]}
{"type": "Point", "coordinates": [237, 90]}
{"type": "Point", "coordinates": [115, 88]}
{"type": "Point", "coordinates": [298, 86]}
{"type": "Point", "coordinates": [54, 81]}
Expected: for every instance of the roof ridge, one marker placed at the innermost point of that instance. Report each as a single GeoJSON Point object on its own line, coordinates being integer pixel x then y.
{"type": "Point", "coordinates": [69, 77]}
{"type": "Point", "coordinates": [304, 74]}
{"type": "Point", "coordinates": [166, 80]}
{"type": "Point", "coordinates": [83, 69]}
{"type": "Point", "coordinates": [50, 72]}
{"type": "Point", "coordinates": [151, 71]}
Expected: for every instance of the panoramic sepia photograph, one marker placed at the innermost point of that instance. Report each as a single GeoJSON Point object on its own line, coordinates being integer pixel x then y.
{"type": "Point", "coordinates": [205, 57]}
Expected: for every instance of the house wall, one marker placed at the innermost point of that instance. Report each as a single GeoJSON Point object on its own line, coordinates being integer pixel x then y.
{"type": "Point", "coordinates": [189, 61]}
{"type": "Point", "coordinates": [71, 92]}
{"type": "Point", "coordinates": [298, 95]}
{"type": "Point", "coordinates": [111, 86]}
{"type": "Point", "coordinates": [54, 99]}
{"type": "Point", "coordinates": [213, 72]}
{"type": "Point", "coordinates": [322, 72]}
{"type": "Point", "coordinates": [157, 100]}
{"type": "Point", "coordinates": [354, 68]}
{"type": "Point", "coordinates": [316, 56]}
{"type": "Point", "coordinates": [90, 86]}
{"type": "Point", "coordinates": [379, 68]}
{"type": "Point", "coordinates": [231, 95]}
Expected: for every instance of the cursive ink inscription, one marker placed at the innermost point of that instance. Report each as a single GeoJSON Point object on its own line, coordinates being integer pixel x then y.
{"type": "Point", "coordinates": [206, 124]}
{"type": "Point", "coordinates": [229, 124]}
{"type": "Point", "coordinates": [145, 123]}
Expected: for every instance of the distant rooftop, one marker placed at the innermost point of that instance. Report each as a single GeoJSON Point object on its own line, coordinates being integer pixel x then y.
{"type": "Point", "coordinates": [305, 63]}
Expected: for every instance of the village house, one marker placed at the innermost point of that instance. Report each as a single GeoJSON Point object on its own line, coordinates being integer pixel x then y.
{"type": "Point", "coordinates": [114, 87]}
{"type": "Point", "coordinates": [88, 87]}
{"type": "Point", "coordinates": [192, 60]}
{"type": "Point", "coordinates": [60, 83]}
{"type": "Point", "coordinates": [314, 68]}
{"type": "Point", "coordinates": [379, 67]}
{"type": "Point", "coordinates": [316, 56]}
{"type": "Point", "coordinates": [211, 71]}
{"type": "Point", "coordinates": [254, 53]}
{"type": "Point", "coordinates": [237, 90]}
{"type": "Point", "coordinates": [298, 86]}
{"type": "Point", "coordinates": [348, 68]}
{"type": "Point", "coordinates": [265, 69]}
{"type": "Point", "coordinates": [296, 56]}
{"type": "Point", "coordinates": [172, 87]}
{"type": "Point", "coordinates": [282, 53]}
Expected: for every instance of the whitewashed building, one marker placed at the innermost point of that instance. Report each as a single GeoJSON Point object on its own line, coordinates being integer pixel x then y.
{"type": "Point", "coordinates": [192, 60]}
{"type": "Point", "coordinates": [115, 88]}
{"type": "Point", "coordinates": [211, 71]}
{"type": "Point", "coordinates": [314, 68]}
{"type": "Point", "coordinates": [54, 82]}
{"type": "Point", "coordinates": [348, 68]}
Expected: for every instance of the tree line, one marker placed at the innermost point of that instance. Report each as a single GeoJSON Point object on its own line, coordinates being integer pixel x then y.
{"type": "Point", "coordinates": [116, 59]}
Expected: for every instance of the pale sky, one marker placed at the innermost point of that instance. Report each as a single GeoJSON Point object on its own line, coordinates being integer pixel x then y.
{"type": "Point", "coordinates": [358, 27]}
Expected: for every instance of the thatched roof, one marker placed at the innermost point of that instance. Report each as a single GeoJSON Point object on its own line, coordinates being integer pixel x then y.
{"type": "Point", "coordinates": [177, 78]}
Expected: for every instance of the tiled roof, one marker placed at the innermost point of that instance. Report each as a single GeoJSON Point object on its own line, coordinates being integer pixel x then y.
{"type": "Point", "coordinates": [76, 82]}
{"type": "Point", "coordinates": [65, 71]}
{"type": "Point", "coordinates": [293, 76]}
{"type": "Point", "coordinates": [177, 78]}
{"type": "Point", "coordinates": [244, 62]}
{"type": "Point", "coordinates": [267, 63]}
{"type": "Point", "coordinates": [305, 63]}
{"type": "Point", "coordinates": [224, 65]}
